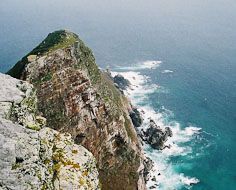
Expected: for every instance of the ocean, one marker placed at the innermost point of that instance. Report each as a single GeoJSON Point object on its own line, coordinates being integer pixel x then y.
{"type": "Point", "coordinates": [180, 57]}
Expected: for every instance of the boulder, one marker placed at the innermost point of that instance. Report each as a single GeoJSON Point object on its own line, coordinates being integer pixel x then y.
{"type": "Point", "coordinates": [121, 82]}
{"type": "Point", "coordinates": [136, 117]}
{"type": "Point", "coordinates": [155, 136]}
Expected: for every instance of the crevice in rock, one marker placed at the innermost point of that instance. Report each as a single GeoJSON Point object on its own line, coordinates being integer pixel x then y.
{"type": "Point", "coordinates": [19, 160]}
{"type": "Point", "coordinates": [79, 138]}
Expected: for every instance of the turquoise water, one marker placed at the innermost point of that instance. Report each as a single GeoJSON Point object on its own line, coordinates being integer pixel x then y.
{"type": "Point", "coordinates": [195, 39]}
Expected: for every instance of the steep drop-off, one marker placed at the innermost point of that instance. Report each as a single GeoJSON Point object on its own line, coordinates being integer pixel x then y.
{"type": "Point", "coordinates": [77, 98]}
{"type": "Point", "coordinates": [33, 156]}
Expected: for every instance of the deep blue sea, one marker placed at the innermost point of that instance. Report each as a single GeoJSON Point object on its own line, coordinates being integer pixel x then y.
{"type": "Point", "coordinates": [193, 89]}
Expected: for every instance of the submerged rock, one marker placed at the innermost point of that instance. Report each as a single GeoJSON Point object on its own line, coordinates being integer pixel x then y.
{"type": "Point", "coordinates": [35, 158]}
{"type": "Point", "coordinates": [155, 136]}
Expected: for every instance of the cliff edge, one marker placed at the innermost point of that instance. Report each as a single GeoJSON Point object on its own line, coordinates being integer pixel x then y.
{"type": "Point", "coordinates": [33, 156]}
{"type": "Point", "coordinates": [79, 99]}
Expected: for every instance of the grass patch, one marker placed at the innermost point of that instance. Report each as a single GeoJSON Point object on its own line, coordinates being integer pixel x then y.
{"type": "Point", "coordinates": [54, 41]}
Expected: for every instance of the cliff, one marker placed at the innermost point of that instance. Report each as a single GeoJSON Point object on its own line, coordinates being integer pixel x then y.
{"type": "Point", "coordinates": [33, 156]}
{"type": "Point", "coordinates": [79, 99]}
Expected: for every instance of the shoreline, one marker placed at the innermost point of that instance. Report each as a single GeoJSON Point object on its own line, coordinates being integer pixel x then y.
{"type": "Point", "coordinates": [162, 175]}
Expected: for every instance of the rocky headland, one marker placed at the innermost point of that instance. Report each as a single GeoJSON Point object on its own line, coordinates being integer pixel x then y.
{"type": "Point", "coordinates": [65, 124]}
{"type": "Point", "coordinates": [77, 98]}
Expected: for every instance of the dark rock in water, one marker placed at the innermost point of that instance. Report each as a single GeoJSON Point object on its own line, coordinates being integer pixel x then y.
{"type": "Point", "coordinates": [153, 187]}
{"type": "Point", "coordinates": [136, 117]}
{"type": "Point", "coordinates": [121, 82]}
{"type": "Point", "coordinates": [154, 178]}
{"type": "Point", "coordinates": [148, 165]}
{"type": "Point", "coordinates": [155, 136]}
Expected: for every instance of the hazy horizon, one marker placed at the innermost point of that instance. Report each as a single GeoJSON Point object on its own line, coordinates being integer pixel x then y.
{"type": "Point", "coordinates": [193, 90]}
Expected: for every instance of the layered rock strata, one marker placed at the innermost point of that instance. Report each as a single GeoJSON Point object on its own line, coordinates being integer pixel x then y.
{"type": "Point", "coordinates": [33, 156]}
{"type": "Point", "coordinates": [77, 98]}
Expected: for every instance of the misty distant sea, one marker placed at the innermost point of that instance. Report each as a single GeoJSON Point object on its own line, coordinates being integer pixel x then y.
{"type": "Point", "coordinates": [193, 83]}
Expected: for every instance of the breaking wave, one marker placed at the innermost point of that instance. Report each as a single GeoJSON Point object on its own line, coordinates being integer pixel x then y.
{"type": "Point", "coordinates": [163, 175]}
{"type": "Point", "coordinates": [142, 65]}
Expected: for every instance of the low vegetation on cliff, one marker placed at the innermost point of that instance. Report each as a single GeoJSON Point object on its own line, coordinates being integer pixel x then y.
{"type": "Point", "coordinates": [77, 98]}
{"type": "Point", "coordinates": [33, 156]}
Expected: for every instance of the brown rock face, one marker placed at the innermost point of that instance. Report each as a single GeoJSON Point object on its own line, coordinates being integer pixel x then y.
{"type": "Point", "coordinates": [76, 97]}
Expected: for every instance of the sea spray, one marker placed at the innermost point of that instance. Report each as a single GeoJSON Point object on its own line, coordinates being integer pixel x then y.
{"type": "Point", "coordinates": [163, 174]}
{"type": "Point", "coordinates": [150, 64]}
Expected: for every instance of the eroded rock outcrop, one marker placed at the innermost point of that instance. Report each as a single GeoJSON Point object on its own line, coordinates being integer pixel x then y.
{"type": "Point", "coordinates": [155, 136]}
{"type": "Point", "coordinates": [77, 98]}
{"type": "Point", "coordinates": [148, 166]}
{"type": "Point", "coordinates": [33, 156]}
{"type": "Point", "coordinates": [136, 116]}
{"type": "Point", "coordinates": [121, 82]}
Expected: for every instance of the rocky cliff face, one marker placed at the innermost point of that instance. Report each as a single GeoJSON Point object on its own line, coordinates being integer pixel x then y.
{"type": "Point", "coordinates": [77, 98]}
{"type": "Point", "coordinates": [33, 156]}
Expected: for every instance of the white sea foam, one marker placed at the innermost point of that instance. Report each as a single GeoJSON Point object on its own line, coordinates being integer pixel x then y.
{"type": "Point", "coordinates": [163, 171]}
{"type": "Point", "coordinates": [167, 71]}
{"type": "Point", "coordinates": [138, 90]}
{"type": "Point", "coordinates": [150, 64]}
{"type": "Point", "coordinates": [165, 175]}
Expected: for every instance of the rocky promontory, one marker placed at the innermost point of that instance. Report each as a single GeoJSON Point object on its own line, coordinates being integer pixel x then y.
{"type": "Point", "coordinates": [82, 105]}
